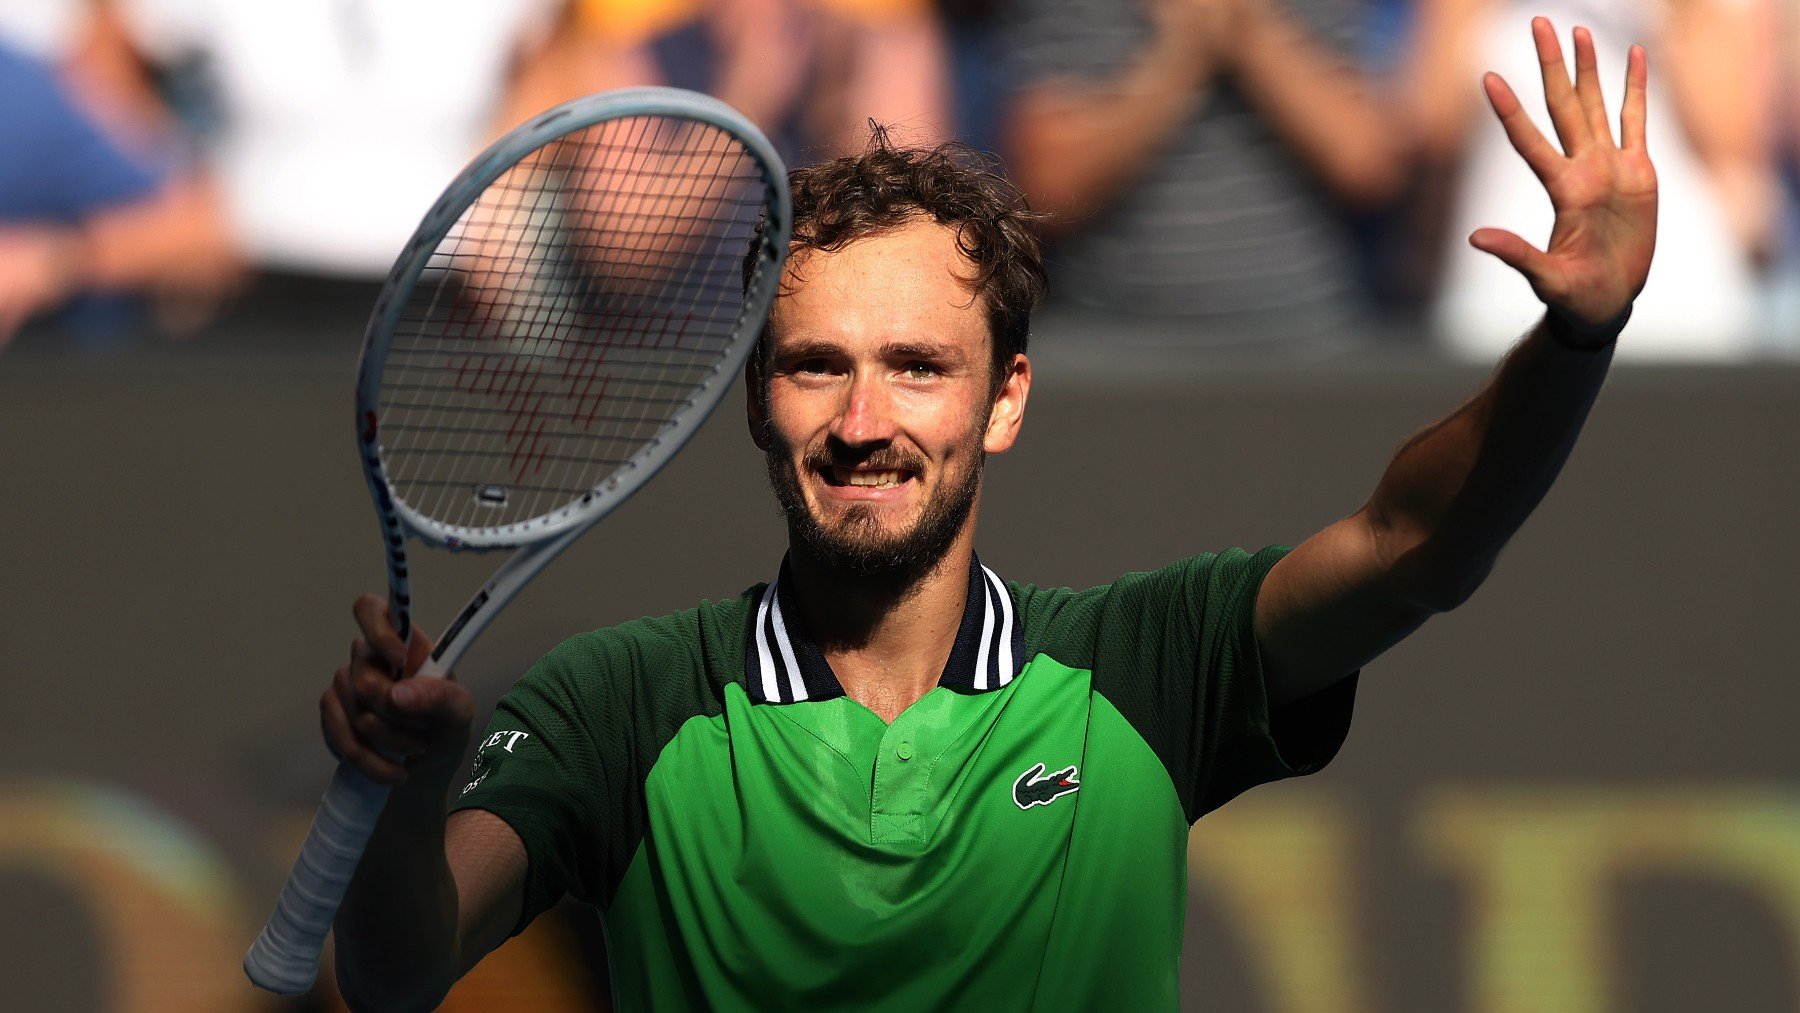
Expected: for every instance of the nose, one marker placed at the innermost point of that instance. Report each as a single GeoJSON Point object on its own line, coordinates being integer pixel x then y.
{"type": "Point", "coordinates": [867, 415]}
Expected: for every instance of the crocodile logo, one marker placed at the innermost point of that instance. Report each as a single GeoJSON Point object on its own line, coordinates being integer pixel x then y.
{"type": "Point", "coordinates": [1034, 787]}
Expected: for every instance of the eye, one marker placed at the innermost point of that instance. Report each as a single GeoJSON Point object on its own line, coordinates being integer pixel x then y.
{"type": "Point", "coordinates": [921, 371]}
{"type": "Point", "coordinates": [812, 366]}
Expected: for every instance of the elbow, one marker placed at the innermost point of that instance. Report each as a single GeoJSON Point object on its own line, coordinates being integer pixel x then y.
{"type": "Point", "coordinates": [1420, 572]}
{"type": "Point", "coordinates": [1048, 171]}
{"type": "Point", "coordinates": [1439, 588]}
{"type": "Point", "coordinates": [1048, 192]}
{"type": "Point", "coordinates": [1371, 179]}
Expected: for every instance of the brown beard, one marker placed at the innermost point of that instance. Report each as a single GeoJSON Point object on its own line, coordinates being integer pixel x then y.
{"type": "Point", "coordinates": [857, 547]}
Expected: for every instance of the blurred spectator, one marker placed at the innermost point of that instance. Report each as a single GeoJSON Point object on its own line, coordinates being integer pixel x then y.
{"type": "Point", "coordinates": [972, 32]}
{"type": "Point", "coordinates": [1712, 132]}
{"type": "Point", "coordinates": [1783, 311]}
{"type": "Point", "coordinates": [329, 125]}
{"type": "Point", "coordinates": [81, 39]}
{"type": "Point", "coordinates": [79, 215]}
{"type": "Point", "coordinates": [1197, 156]}
{"type": "Point", "coordinates": [339, 121]}
{"type": "Point", "coordinates": [810, 73]}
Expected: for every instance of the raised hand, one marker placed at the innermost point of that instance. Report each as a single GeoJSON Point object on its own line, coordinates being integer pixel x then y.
{"type": "Point", "coordinates": [1604, 192]}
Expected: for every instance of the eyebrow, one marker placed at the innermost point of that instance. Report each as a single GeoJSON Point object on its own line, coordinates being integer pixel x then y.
{"type": "Point", "coordinates": [809, 348]}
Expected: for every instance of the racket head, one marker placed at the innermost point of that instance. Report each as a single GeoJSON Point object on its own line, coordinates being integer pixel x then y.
{"type": "Point", "coordinates": [567, 315]}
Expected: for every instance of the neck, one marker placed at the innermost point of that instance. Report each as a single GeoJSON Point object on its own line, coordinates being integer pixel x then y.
{"type": "Point", "coordinates": [887, 639]}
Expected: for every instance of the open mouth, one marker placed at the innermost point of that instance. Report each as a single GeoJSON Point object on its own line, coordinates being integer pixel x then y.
{"type": "Point", "coordinates": [872, 478]}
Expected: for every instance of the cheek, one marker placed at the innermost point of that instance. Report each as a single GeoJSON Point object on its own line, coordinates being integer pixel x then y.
{"type": "Point", "coordinates": [791, 419]}
{"type": "Point", "coordinates": [946, 422]}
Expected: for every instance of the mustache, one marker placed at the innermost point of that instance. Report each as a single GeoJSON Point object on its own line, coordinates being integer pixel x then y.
{"type": "Point", "coordinates": [883, 459]}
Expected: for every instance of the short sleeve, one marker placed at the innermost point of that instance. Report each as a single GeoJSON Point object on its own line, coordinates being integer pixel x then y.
{"type": "Point", "coordinates": [564, 759]}
{"type": "Point", "coordinates": [1175, 651]}
{"type": "Point", "coordinates": [68, 169]}
{"type": "Point", "coordinates": [537, 768]}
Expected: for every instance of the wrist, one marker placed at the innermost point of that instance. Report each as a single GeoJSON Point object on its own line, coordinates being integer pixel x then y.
{"type": "Point", "coordinates": [1576, 336]}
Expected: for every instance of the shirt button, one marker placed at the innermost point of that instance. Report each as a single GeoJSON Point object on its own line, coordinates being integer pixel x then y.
{"type": "Point", "coordinates": [904, 752]}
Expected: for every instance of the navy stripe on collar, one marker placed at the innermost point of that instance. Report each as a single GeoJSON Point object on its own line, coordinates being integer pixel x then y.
{"type": "Point", "coordinates": [785, 665]}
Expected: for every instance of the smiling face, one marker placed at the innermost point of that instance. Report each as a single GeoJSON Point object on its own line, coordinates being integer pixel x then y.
{"type": "Point", "coordinates": [881, 401]}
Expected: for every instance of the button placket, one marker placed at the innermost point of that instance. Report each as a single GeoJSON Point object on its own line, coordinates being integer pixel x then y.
{"type": "Point", "coordinates": [902, 783]}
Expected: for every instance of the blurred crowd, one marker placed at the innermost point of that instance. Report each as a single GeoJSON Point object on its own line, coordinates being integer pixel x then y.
{"type": "Point", "coordinates": [1287, 174]}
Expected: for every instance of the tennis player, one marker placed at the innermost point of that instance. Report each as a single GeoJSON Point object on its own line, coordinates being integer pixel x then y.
{"type": "Point", "coordinates": [889, 778]}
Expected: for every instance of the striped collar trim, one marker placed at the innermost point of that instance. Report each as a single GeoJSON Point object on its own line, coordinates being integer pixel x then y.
{"type": "Point", "coordinates": [786, 666]}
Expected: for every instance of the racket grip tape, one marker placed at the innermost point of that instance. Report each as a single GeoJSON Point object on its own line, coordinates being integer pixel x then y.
{"type": "Point", "coordinates": [285, 957]}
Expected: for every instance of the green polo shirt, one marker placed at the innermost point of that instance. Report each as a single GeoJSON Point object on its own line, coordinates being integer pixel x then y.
{"type": "Point", "coordinates": [1016, 839]}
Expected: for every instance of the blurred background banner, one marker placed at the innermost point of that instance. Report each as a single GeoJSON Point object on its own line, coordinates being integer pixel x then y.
{"type": "Point", "coordinates": [1576, 793]}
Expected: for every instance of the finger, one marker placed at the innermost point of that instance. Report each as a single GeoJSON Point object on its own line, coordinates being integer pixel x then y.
{"type": "Point", "coordinates": [344, 744]}
{"type": "Point", "coordinates": [371, 612]}
{"type": "Point", "coordinates": [1512, 251]}
{"type": "Point", "coordinates": [1559, 93]}
{"type": "Point", "coordinates": [1637, 85]}
{"type": "Point", "coordinates": [390, 741]}
{"type": "Point", "coordinates": [435, 704]}
{"type": "Point", "coordinates": [360, 690]}
{"type": "Point", "coordinates": [371, 691]}
{"type": "Point", "coordinates": [1526, 139]}
{"type": "Point", "coordinates": [1587, 85]}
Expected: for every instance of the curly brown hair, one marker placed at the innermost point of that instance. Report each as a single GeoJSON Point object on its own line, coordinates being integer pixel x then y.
{"type": "Point", "coordinates": [845, 199]}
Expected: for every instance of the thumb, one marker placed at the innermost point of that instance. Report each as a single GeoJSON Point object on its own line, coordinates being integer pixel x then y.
{"type": "Point", "coordinates": [438, 700]}
{"type": "Point", "coordinates": [1512, 251]}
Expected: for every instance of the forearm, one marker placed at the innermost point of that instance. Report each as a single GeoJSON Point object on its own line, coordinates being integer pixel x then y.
{"type": "Point", "coordinates": [1456, 492]}
{"type": "Point", "coordinates": [1318, 103]}
{"type": "Point", "coordinates": [901, 78]}
{"type": "Point", "coordinates": [1073, 146]}
{"type": "Point", "coordinates": [1723, 70]}
{"type": "Point", "coordinates": [396, 931]}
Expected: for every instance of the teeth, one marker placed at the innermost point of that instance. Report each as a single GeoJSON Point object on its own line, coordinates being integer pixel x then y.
{"type": "Point", "coordinates": [875, 479]}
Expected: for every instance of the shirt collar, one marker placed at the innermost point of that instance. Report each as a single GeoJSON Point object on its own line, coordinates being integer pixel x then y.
{"type": "Point", "coordinates": [786, 666]}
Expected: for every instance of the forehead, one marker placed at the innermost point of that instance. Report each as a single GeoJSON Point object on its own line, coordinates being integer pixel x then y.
{"type": "Point", "coordinates": [905, 282]}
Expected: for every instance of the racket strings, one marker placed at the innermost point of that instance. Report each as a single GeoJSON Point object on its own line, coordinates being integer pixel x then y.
{"type": "Point", "coordinates": [564, 322]}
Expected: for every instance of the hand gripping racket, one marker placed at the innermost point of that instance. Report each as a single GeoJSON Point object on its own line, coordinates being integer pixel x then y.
{"type": "Point", "coordinates": [564, 319]}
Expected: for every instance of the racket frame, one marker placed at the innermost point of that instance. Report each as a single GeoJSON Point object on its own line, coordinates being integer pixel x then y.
{"type": "Point", "coordinates": [399, 520]}
{"type": "Point", "coordinates": [284, 958]}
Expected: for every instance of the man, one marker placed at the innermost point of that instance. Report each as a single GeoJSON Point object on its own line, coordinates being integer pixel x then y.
{"type": "Point", "coordinates": [890, 779]}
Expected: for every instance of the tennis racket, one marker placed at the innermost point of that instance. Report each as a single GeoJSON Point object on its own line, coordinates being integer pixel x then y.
{"type": "Point", "coordinates": [564, 319]}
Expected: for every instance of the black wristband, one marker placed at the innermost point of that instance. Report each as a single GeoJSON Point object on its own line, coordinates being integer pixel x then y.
{"type": "Point", "coordinates": [1579, 337]}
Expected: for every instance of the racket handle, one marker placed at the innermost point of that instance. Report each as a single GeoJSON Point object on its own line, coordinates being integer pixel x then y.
{"type": "Point", "coordinates": [285, 957]}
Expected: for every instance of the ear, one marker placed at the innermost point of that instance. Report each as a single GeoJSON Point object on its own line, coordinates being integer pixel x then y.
{"type": "Point", "coordinates": [754, 410]}
{"type": "Point", "coordinates": [1008, 412]}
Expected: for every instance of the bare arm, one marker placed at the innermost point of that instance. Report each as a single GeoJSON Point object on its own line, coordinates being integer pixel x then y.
{"type": "Point", "coordinates": [1458, 491]}
{"type": "Point", "coordinates": [1722, 61]}
{"type": "Point", "coordinates": [1433, 97]}
{"type": "Point", "coordinates": [900, 76]}
{"type": "Point", "coordinates": [429, 899]}
{"type": "Point", "coordinates": [1318, 102]}
{"type": "Point", "coordinates": [1073, 145]}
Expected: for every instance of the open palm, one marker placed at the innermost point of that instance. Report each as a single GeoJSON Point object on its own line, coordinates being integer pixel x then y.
{"type": "Point", "coordinates": [1604, 193]}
